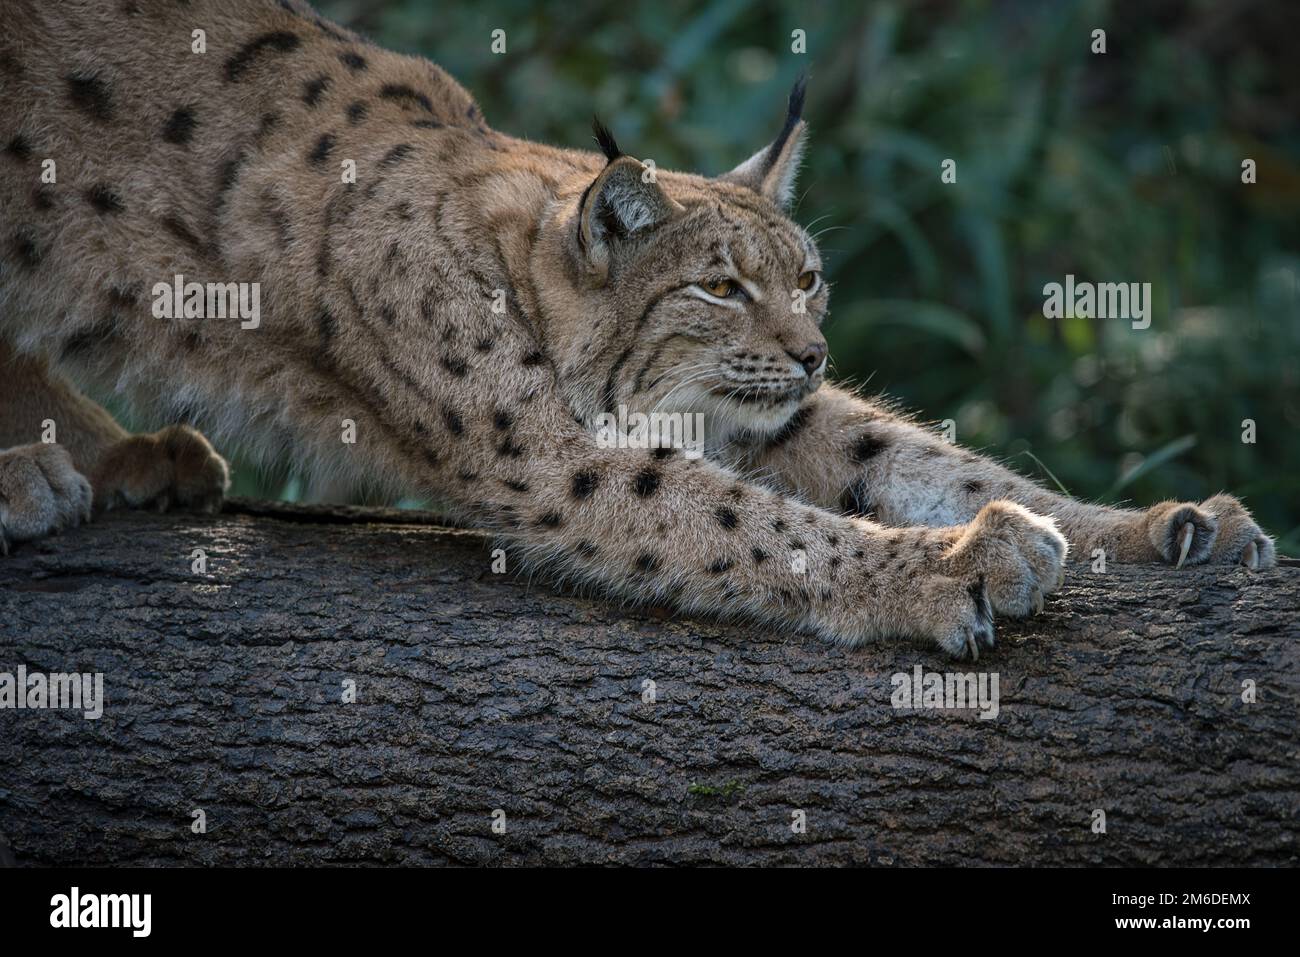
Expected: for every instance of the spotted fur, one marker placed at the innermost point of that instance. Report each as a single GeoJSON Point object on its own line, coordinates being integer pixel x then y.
{"type": "Point", "coordinates": [473, 303]}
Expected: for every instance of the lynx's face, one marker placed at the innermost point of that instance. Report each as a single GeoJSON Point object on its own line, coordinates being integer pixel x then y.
{"type": "Point", "coordinates": [695, 294]}
{"type": "Point", "coordinates": [731, 299]}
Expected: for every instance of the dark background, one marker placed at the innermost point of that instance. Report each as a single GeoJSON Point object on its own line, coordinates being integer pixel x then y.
{"type": "Point", "coordinates": [1119, 167]}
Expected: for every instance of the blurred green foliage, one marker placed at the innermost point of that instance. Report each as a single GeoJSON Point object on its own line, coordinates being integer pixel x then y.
{"type": "Point", "coordinates": [1116, 167]}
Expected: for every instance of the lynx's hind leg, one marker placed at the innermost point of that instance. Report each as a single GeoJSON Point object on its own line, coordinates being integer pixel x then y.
{"type": "Point", "coordinates": [65, 455]}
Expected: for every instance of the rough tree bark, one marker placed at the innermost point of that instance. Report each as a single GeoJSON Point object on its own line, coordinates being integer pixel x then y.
{"type": "Point", "coordinates": [476, 692]}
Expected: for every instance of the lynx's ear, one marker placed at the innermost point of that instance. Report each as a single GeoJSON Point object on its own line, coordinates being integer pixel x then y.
{"type": "Point", "coordinates": [771, 171]}
{"type": "Point", "coordinates": [623, 203]}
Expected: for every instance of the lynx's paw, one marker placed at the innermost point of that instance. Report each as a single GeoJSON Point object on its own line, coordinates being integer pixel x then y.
{"type": "Point", "coordinates": [1019, 556]}
{"type": "Point", "coordinates": [1240, 541]}
{"type": "Point", "coordinates": [1005, 562]}
{"type": "Point", "coordinates": [174, 466]}
{"type": "Point", "coordinates": [1219, 531]}
{"type": "Point", "coordinates": [40, 493]}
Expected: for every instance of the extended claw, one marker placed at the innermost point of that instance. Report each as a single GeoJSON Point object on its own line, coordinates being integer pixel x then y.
{"type": "Point", "coordinates": [1189, 532]}
{"type": "Point", "coordinates": [1250, 557]}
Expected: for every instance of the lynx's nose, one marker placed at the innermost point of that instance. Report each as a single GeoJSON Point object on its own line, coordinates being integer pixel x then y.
{"type": "Point", "coordinates": [811, 357]}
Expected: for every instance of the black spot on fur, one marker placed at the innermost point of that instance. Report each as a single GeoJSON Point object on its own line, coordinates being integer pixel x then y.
{"type": "Point", "coordinates": [25, 248]}
{"type": "Point", "coordinates": [88, 338]}
{"type": "Point", "coordinates": [353, 61]}
{"type": "Point", "coordinates": [501, 420]}
{"type": "Point", "coordinates": [265, 125]}
{"type": "Point", "coordinates": [855, 500]}
{"type": "Point", "coordinates": [585, 548]}
{"type": "Point", "coordinates": [182, 232]}
{"type": "Point", "coordinates": [357, 112]}
{"type": "Point", "coordinates": [584, 483]}
{"type": "Point", "coordinates": [663, 452]}
{"type": "Point", "coordinates": [405, 95]}
{"type": "Point", "coordinates": [515, 485]}
{"type": "Point", "coordinates": [179, 128]}
{"type": "Point", "coordinates": [720, 566]}
{"type": "Point", "coordinates": [104, 199]}
{"type": "Point", "coordinates": [426, 124]}
{"type": "Point", "coordinates": [19, 148]}
{"type": "Point", "coordinates": [227, 176]}
{"type": "Point", "coordinates": [867, 447]}
{"type": "Point", "coordinates": [550, 520]}
{"type": "Point", "coordinates": [281, 41]}
{"type": "Point", "coordinates": [91, 96]}
{"type": "Point", "coordinates": [395, 155]}
{"type": "Point", "coordinates": [646, 562]}
{"type": "Point", "coordinates": [646, 483]}
{"type": "Point", "coordinates": [455, 424]}
{"type": "Point", "coordinates": [314, 89]}
{"type": "Point", "coordinates": [43, 198]}
{"type": "Point", "coordinates": [760, 556]}
{"type": "Point", "coordinates": [321, 151]}
{"type": "Point", "coordinates": [509, 449]}
{"type": "Point", "coordinates": [456, 366]}
{"type": "Point", "coordinates": [726, 517]}
{"type": "Point", "coordinates": [973, 486]}
{"type": "Point", "coordinates": [534, 358]}
{"type": "Point", "coordinates": [326, 325]}
{"type": "Point", "coordinates": [778, 526]}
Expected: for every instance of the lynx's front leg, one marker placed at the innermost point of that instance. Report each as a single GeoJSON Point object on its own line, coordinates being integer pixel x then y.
{"type": "Point", "coordinates": [656, 526]}
{"type": "Point", "coordinates": [844, 453]}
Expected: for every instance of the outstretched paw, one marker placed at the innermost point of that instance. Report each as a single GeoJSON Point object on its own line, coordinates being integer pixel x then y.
{"type": "Point", "coordinates": [1020, 557]}
{"type": "Point", "coordinates": [1240, 540]}
{"type": "Point", "coordinates": [174, 466]}
{"type": "Point", "coordinates": [1005, 562]}
{"type": "Point", "coordinates": [1218, 531]}
{"type": "Point", "coordinates": [41, 493]}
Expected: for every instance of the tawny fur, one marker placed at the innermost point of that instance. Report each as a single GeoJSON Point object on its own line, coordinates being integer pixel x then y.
{"type": "Point", "coordinates": [472, 303]}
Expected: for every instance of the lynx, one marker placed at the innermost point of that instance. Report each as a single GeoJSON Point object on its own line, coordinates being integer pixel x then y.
{"type": "Point", "coordinates": [468, 305]}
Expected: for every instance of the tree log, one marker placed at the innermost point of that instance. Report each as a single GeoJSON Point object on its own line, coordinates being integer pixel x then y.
{"type": "Point", "coordinates": [479, 693]}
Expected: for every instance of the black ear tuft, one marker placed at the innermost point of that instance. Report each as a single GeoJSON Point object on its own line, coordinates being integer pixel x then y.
{"type": "Point", "coordinates": [605, 139]}
{"type": "Point", "coordinates": [795, 111]}
{"type": "Point", "coordinates": [793, 114]}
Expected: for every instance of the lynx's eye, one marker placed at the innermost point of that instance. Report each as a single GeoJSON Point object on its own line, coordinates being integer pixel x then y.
{"type": "Point", "coordinates": [808, 280]}
{"type": "Point", "coordinates": [722, 288]}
